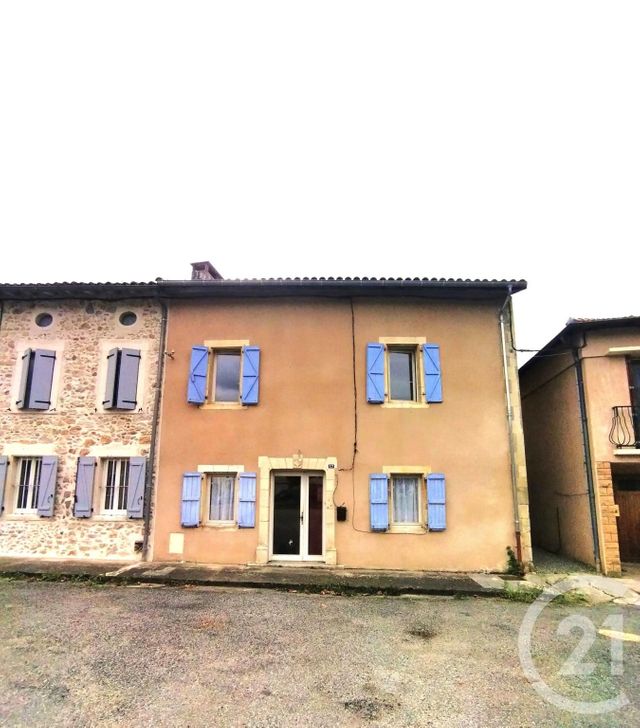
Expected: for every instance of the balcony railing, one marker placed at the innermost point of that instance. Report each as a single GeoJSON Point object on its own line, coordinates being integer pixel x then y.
{"type": "Point", "coordinates": [625, 427]}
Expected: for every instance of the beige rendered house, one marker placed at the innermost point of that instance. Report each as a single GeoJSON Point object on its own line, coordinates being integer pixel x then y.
{"type": "Point", "coordinates": [581, 411]}
{"type": "Point", "coordinates": [363, 422]}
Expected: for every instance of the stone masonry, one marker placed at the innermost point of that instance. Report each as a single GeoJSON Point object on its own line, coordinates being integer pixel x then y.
{"type": "Point", "coordinates": [76, 424]}
{"type": "Point", "coordinates": [610, 547]}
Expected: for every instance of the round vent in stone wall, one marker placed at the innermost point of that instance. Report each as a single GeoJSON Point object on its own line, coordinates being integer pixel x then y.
{"type": "Point", "coordinates": [128, 318]}
{"type": "Point", "coordinates": [43, 320]}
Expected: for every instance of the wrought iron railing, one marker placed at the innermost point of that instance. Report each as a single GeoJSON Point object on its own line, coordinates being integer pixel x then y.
{"type": "Point", "coordinates": [625, 427]}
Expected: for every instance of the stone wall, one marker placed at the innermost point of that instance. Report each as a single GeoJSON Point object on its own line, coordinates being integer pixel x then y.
{"type": "Point", "coordinates": [76, 425]}
{"type": "Point", "coordinates": [610, 548]}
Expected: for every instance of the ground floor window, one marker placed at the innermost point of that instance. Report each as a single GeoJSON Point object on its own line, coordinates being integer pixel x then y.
{"type": "Point", "coordinates": [114, 486]}
{"type": "Point", "coordinates": [222, 490]}
{"type": "Point", "coordinates": [27, 483]}
{"type": "Point", "coordinates": [405, 499]}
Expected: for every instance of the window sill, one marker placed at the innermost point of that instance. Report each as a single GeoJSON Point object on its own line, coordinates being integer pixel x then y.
{"type": "Point", "coordinates": [222, 525]}
{"type": "Point", "coordinates": [107, 517]}
{"type": "Point", "coordinates": [223, 406]}
{"type": "Point", "coordinates": [405, 405]}
{"type": "Point", "coordinates": [407, 528]}
{"type": "Point", "coordinates": [21, 517]}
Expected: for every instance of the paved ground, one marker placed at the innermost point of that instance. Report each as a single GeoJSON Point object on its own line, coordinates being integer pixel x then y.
{"type": "Point", "coordinates": [74, 655]}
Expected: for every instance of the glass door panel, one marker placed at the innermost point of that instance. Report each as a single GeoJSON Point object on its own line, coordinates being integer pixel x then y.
{"type": "Point", "coordinates": [314, 516]}
{"type": "Point", "coordinates": [286, 515]}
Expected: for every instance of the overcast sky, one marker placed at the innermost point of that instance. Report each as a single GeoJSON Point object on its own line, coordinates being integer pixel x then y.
{"type": "Point", "coordinates": [462, 139]}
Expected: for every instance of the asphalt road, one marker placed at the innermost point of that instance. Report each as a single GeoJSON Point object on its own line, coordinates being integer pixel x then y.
{"type": "Point", "coordinates": [76, 655]}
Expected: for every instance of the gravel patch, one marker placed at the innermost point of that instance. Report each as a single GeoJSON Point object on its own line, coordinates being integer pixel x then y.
{"type": "Point", "coordinates": [76, 655]}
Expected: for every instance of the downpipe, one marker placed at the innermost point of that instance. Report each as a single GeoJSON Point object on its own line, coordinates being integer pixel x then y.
{"type": "Point", "coordinates": [154, 435]}
{"type": "Point", "coordinates": [514, 473]}
{"type": "Point", "coordinates": [586, 444]}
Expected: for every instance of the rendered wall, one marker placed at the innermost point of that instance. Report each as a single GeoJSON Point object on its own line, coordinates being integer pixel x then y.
{"type": "Point", "coordinates": [307, 407]}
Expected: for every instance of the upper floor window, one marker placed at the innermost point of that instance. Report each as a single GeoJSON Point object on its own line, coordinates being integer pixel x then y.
{"type": "Point", "coordinates": [403, 372]}
{"type": "Point", "coordinates": [121, 390]}
{"type": "Point", "coordinates": [224, 374]}
{"type": "Point", "coordinates": [36, 379]}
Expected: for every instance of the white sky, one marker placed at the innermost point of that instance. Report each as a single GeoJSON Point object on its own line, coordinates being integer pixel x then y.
{"type": "Point", "coordinates": [463, 139]}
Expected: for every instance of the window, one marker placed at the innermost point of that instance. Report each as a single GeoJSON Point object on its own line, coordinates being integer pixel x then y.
{"type": "Point", "coordinates": [36, 379]}
{"type": "Point", "coordinates": [114, 488]}
{"type": "Point", "coordinates": [28, 472]}
{"type": "Point", "coordinates": [402, 373]}
{"type": "Point", "coordinates": [44, 320]}
{"type": "Point", "coordinates": [226, 375]}
{"type": "Point", "coordinates": [405, 499]}
{"type": "Point", "coordinates": [222, 498]}
{"type": "Point", "coordinates": [127, 318]}
{"type": "Point", "coordinates": [121, 390]}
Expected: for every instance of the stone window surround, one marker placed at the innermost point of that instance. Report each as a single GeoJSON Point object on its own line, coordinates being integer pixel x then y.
{"type": "Point", "coordinates": [102, 453]}
{"type": "Point", "coordinates": [21, 346]}
{"type": "Point", "coordinates": [266, 465]}
{"type": "Point", "coordinates": [105, 346]}
{"type": "Point", "coordinates": [14, 453]}
{"type": "Point", "coordinates": [207, 471]}
{"type": "Point", "coordinates": [421, 471]}
{"type": "Point", "coordinates": [408, 342]}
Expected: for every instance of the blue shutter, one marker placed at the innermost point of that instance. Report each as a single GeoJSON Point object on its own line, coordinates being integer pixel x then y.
{"type": "Point", "coordinates": [197, 387]}
{"type": "Point", "coordinates": [250, 374]}
{"type": "Point", "coordinates": [39, 396]}
{"type": "Point", "coordinates": [85, 476]}
{"type": "Point", "coordinates": [110, 393]}
{"type": "Point", "coordinates": [47, 485]}
{"type": "Point", "coordinates": [135, 487]}
{"type": "Point", "coordinates": [190, 507]}
{"type": "Point", "coordinates": [375, 373]}
{"type": "Point", "coordinates": [436, 502]}
{"type": "Point", "coordinates": [127, 397]}
{"type": "Point", "coordinates": [379, 501]}
{"type": "Point", "coordinates": [432, 373]}
{"type": "Point", "coordinates": [21, 402]}
{"type": "Point", "coordinates": [4, 466]}
{"type": "Point", "coordinates": [247, 500]}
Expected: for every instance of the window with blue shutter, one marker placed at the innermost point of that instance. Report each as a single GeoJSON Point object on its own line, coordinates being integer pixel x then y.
{"type": "Point", "coordinates": [36, 379]}
{"type": "Point", "coordinates": [375, 373]}
{"type": "Point", "coordinates": [247, 500]}
{"type": "Point", "coordinates": [121, 389]}
{"type": "Point", "coordinates": [379, 501]}
{"type": "Point", "coordinates": [4, 466]}
{"type": "Point", "coordinates": [190, 503]}
{"type": "Point", "coordinates": [85, 477]}
{"type": "Point", "coordinates": [432, 373]}
{"type": "Point", "coordinates": [136, 487]}
{"type": "Point", "coordinates": [197, 385]}
{"type": "Point", "coordinates": [47, 485]}
{"type": "Point", "coordinates": [250, 374]}
{"type": "Point", "coordinates": [436, 502]}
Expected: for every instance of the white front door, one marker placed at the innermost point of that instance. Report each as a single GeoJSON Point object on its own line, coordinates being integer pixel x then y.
{"type": "Point", "coordinates": [297, 517]}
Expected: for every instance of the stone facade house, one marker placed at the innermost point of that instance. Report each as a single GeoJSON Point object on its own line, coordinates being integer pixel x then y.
{"type": "Point", "coordinates": [79, 386]}
{"type": "Point", "coordinates": [363, 422]}
{"type": "Point", "coordinates": [581, 410]}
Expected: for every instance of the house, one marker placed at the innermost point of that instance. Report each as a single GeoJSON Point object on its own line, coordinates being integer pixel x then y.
{"type": "Point", "coordinates": [361, 422]}
{"type": "Point", "coordinates": [581, 410]}
{"type": "Point", "coordinates": [79, 382]}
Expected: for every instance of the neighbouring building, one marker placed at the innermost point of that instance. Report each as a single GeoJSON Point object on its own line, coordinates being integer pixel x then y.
{"type": "Point", "coordinates": [364, 422]}
{"type": "Point", "coordinates": [79, 382]}
{"type": "Point", "coordinates": [581, 410]}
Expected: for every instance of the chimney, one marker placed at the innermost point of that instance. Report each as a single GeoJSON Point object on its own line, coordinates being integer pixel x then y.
{"type": "Point", "coordinates": [204, 271]}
